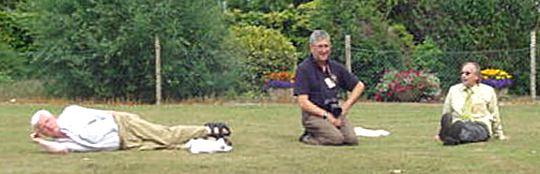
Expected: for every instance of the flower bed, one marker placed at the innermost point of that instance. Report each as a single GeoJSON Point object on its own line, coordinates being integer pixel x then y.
{"type": "Point", "coordinates": [279, 86]}
{"type": "Point", "coordinates": [278, 80]}
{"type": "Point", "coordinates": [407, 86]}
{"type": "Point", "coordinates": [496, 78]}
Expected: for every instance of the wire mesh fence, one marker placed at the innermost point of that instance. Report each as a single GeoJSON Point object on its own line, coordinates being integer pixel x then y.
{"type": "Point", "coordinates": [398, 76]}
{"type": "Point", "coordinates": [429, 77]}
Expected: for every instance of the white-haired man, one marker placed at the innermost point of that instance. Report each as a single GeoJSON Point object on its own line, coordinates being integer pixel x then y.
{"type": "Point", "coordinates": [80, 129]}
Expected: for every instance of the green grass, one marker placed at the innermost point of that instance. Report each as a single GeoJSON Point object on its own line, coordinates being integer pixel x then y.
{"type": "Point", "coordinates": [265, 141]}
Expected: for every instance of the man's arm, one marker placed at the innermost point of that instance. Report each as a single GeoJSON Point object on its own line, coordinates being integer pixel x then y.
{"type": "Point", "coordinates": [308, 106]}
{"type": "Point", "coordinates": [353, 97]}
{"type": "Point", "coordinates": [49, 146]}
{"type": "Point", "coordinates": [115, 113]}
{"type": "Point", "coordinates": [496, 125]}
{"type": "Point", "coordinates": [447, 106]}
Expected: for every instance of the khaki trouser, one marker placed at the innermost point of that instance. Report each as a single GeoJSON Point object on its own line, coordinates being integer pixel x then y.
{"type": "Point", "coordinates": [137, 133]}
{"type": "Point", "coordinates": [322, 132]}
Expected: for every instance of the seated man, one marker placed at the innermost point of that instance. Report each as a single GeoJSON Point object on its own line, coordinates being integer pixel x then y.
{"type": "Point", "coordinates": [470, 112]}
{"type": "Point", "coordinates": [79, 129]}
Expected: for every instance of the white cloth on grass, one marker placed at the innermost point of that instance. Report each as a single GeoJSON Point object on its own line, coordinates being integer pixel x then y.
{"type": "Point", "coordinates": [359, 131]}
{"type": "Point", "coordinates": [207, 146]}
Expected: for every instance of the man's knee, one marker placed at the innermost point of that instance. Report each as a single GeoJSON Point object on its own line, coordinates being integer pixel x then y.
{"type": "Point", "coordinates": [350, 140]}
{"type": "Point", "coordinates": [336, 139]}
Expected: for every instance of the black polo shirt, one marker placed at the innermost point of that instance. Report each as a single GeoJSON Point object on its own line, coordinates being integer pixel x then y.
{"type": "Point", "coordinates": [310, 79]}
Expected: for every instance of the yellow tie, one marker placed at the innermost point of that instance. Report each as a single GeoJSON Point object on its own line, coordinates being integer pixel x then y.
{"type": "Point", "coordinates": [467, 106]}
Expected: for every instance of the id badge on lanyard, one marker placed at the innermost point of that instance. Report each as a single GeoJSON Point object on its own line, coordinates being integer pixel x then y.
{"type": "Point", "coordinates": [330, 81]}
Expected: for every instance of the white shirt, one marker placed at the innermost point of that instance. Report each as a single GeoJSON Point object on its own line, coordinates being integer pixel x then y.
{"type": "Point", "coordinates": [88, 130]}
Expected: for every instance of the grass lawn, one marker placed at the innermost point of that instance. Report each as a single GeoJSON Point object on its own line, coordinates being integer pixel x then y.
{"type": "Point", "coordinates": [265, 141]}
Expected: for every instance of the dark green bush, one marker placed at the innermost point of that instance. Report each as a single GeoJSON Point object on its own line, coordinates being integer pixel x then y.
{"type": "Point", "coordinates": [105, 49]}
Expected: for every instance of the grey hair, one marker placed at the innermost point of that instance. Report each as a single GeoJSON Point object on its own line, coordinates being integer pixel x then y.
{"type": "Point", "coordinates": [318, 35]}
{"type": "Point", "coordinates": [35, 118]}
{"type": "Point", "coordinates": [476, 67]}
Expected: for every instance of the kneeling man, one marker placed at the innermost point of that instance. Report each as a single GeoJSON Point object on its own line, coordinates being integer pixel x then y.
{"type": "Point", "coordinates": [317, 82]}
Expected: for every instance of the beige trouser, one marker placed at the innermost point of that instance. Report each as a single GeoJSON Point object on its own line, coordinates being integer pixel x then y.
{"type": "Point", "coordinates": [137, 133]}
{"type": "Point", "coordinates": [322, 132]}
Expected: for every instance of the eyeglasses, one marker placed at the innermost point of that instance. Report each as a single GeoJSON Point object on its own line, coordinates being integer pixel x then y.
{"type": "Point", "coordinates": [466, 73]}
{"type": "Point", "coordinates": [321, 46]}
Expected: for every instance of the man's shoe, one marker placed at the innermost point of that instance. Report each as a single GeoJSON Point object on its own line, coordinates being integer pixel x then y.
{"type": "Point", "coordinates": [303, 137]}
{"type": "Point", "coordinates": [218, 130]}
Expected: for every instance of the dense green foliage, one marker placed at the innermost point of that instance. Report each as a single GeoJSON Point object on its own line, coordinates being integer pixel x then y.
{"type": "Point", "coordinates": [7, 5]}
{"type": "Point", "coordinates": [264, 51]}
{"type": "Point", "coordinates": [105, 49]}
{"type": "Point", "coordinates": [263, 5]}
{"type": "Point", "coordinates": [293, 22]}
{"type": "Point", "coordinates": [427, 56]}
{"type": "Point", "coordinates": [465, 29]}
{"type": "Point", "coordinates": [15, 42]}
{"type": "Point", "coordinates": [369, 34]}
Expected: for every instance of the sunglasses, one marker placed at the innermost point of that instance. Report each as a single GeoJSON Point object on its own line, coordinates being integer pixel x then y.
{"type": "Point", "coordinates": [466, 73]}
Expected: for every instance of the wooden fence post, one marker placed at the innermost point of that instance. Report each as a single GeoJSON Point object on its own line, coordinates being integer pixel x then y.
{"type": "Point", "coordinates": [158, 71]}
{"type": "Point", "coordinates": [533, 65]}
{"type": "Point", "coordinates": [348, 52]}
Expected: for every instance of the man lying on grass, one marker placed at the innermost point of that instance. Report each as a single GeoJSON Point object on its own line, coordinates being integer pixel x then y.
{"type": "Point", "coordinates": [79, 129]}
{"type": "Point", "coordinates": [470, 112]}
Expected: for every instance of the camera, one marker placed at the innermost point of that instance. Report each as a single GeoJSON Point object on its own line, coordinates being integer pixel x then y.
{"type": "Point", "coordinates": [332, 105]}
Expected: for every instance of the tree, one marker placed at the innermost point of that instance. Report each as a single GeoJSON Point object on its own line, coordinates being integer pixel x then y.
{"type": "Point", "coordinates": [470, 26]}
{"type": "Point", "coordinates": [15, 41]}
{"type": "Point", "coordinates": [369, 34]}
{"type": "Point", "coordinates": [105, 49]}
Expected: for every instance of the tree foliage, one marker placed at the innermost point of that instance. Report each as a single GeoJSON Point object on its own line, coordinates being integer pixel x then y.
{"type": "Point", "coordinates": [292, 21]}
{"type": "Point", "coordinates": [263, 5]}
{"type": "Point", "coordinates": [469, 25]}
{"type": "Point", "coordinates": [369, 34]}
{"type": "Point", "coordinates": [15, 41]}
{"type": "Point", "coordinates": [263, 51]}
{"type": "Point", "coordinates": [105, 49]}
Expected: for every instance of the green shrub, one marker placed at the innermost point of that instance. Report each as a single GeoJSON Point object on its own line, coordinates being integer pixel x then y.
{"type": "Point", "coordinates": [427, 56]}
{"type": "Point", "coordinates": [105, 49]}
{"type": "Point", "coordinates": [263, 51]}
{"type": "Point", "coordinates": [369, 34]}
{"type": "Point", "coordinates": [15, 41]}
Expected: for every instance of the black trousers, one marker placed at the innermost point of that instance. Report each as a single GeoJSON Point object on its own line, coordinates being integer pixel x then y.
{"type": "Point", "coordinates": [461, 132]}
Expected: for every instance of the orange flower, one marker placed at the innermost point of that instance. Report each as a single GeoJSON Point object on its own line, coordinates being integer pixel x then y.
{"type": "Point", "coordinates": [285, 76]}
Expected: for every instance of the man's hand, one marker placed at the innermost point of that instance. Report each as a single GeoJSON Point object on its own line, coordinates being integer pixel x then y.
{"type": "Point", "coordinates": [344, 111]}
{"type": "Point", "coordinates": [35, 137]}
{"type": "Point", "coordinates": [51, 147]}
{"type": "Point", "coordinates": [334, 121]}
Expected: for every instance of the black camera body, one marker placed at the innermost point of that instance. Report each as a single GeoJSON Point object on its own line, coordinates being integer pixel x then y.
{"type": "Point", "coordinates": [332, 105]}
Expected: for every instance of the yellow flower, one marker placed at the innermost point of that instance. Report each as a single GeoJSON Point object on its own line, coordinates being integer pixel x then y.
{"type": "Point", "coordinates": [497, 74]}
